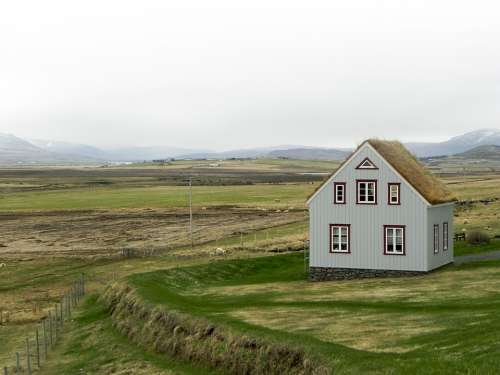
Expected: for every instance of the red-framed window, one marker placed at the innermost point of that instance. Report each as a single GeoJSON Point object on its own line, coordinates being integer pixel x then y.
{"type": "Point", "coordinates": [445, 236]}
{"type": "Point", "coordinates": [394, 193]}
{"type": "Point", "coordinates": [366, 191]}
{"type": "Point", "coordinates": [394, 239]}
{"type": "Point", "coordinates": [339, 189]}
{"type": "Point", "coordinates": [340, 238]}
{"type": "Point", "coordinates": [436, 238]}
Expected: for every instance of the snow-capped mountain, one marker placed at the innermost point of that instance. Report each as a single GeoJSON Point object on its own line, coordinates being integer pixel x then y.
{"type": "Point", "coordinates": [457, 144]}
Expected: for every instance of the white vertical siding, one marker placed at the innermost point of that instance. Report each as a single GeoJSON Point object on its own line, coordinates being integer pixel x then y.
{"type": "Point", "coordinates": [367, 221]}
{"type": "Point", "coordinates": [439, 215]}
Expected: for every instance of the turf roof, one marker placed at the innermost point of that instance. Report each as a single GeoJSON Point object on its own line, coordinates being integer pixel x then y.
{"type": "Point", "coordinates": [407, 165]}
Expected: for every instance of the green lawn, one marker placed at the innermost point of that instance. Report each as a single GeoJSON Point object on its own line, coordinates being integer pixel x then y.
{"type": "Point", "coordinates": [464, 248]}
{"type": "Point", "coordinates": [263, 195]}
{"type": "Point", "coordinates": [444, 323]}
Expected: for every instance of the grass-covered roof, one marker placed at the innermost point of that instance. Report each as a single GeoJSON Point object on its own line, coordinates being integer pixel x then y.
{"type": "Point", "coordinates": [407, 165]}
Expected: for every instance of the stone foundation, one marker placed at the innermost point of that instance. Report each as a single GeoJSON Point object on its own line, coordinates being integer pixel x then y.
{"type": "Point", "coordinates": [327, 273]}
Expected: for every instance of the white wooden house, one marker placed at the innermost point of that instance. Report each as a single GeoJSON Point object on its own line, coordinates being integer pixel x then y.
{"type": "Point", "coordinates": [381, 213]}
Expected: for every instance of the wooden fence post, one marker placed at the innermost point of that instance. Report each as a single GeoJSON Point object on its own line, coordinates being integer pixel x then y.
{"type": "Point", "coordinates": [83, 284]}
{"type": "Point", "coordinates": [50, 329]}
{"type": "Point", "coordinates": [18, 363]}
{"type": "Point", "coordinates": [37, 349]}
{"type": "Point", "coordinates": [56, 316]}
{"type": "Point", "coordinates": [61, 316]}
{"type": "Point", "coordinates": [69, 305]}
{"type": "Point", "coordinates": [28, 356]}
{"type": "Point", "coordinates": [45, 337]}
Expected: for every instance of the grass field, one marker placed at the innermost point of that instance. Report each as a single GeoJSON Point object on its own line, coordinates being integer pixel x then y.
{"type": "Point", "coordinates": [416, 325]}
{"type": "Point", "coordinates": [57, 223]}
{"type": "Point", "coordinates": [263, 195]}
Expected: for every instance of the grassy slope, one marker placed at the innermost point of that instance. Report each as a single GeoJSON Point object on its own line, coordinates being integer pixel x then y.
{"type": "Point", "coordinates": [92, 346]}
{"type": "Point", "coordinates": [462, 334]}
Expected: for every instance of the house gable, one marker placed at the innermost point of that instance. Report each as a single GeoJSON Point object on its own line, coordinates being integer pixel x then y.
{"type": "Point", "coordinates": [365, 152]}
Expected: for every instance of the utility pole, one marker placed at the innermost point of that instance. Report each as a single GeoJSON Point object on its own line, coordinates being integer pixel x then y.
{"type": "Point", "coordinates": [191, 211]}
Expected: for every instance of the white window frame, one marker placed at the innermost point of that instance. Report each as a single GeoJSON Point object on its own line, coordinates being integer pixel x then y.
{"type": "Point", "coordinates": [337, 185]}
{"type": "Point", "coordinates": [436, 238]}
{"type": "Point", "coordinates": [365, 198]}
{"type": "Point", "coordinates": [397, 192]}
{"type": "Point", "coordinates": [394, 239]}
{"type": "Point", "coordinates": [445, 236]}
{"type": "Point", "coordinates": [366, 163]}
{"type": "Point", "coordinates": [343, 239]}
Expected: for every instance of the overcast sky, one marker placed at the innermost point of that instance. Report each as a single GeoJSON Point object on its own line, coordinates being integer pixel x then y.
{"type": "Point", "coordinates": [226, 74]}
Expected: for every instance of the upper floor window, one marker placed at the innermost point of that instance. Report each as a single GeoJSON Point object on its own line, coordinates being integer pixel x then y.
{"type": "Point", "coordinates": [339, 238]}
{"type": "Point", "coordinates": [339, 192]}
{"type": "Point", "coordinates": [366, 191]}
{"type": "Point", "coordinates": [366, 164]}
{"type": "Point", "coordinates": [445, 236]}
{"type": "Point", "coordinates": [393, 193]}
{"type": "Point", "coordinates": [436, 238]}
{"type": "Point", "coordinates": [394, 239]}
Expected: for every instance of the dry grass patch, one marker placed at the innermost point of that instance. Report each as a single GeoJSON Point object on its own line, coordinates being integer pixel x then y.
{"type": "Point", "coordinates": [439, 286]}
{"type": "Point", "coordinates": [365, 330]}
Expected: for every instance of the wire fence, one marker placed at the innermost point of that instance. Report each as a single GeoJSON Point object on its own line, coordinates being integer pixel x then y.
{"type": "Point", "coordinates": [47, 333]}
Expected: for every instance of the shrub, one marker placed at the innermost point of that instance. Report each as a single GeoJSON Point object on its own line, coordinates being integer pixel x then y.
{"type": "Point", "coordinates": [477, 237]}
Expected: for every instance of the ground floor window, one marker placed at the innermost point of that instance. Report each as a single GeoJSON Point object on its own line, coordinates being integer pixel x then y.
{"type": "Point", "coordinates": [394, 239]}
{"type": "Point", "coordinates": [436, 238]}
{"type": "Point", "coordinates": [445, 236]}
{"type": "Point", "coordinates": [340, 238]}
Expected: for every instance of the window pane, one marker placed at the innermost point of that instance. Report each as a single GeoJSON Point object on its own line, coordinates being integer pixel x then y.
{"type": "Point", "coordinates": [390, 239]}
{"type": "Point", "coordinates": [394, 240]}
{"type": "Point", "coordinates": [394, 193]}
{"type": "Point", "coordinates": [340, 238]}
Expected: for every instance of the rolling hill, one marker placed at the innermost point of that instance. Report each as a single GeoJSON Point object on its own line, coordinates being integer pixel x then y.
{"type": "Point", "coordinates": [488, 152]}
{"type": "Point", "coordinates": [15, 150]}
{"type": "Point", "coordinates": [310, 154]}
{"type": "Point", "coordinates": [457, 144]}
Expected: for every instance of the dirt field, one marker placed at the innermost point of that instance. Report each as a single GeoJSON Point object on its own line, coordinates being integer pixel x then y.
{"type": "Point", "coordinates": [97, 233]}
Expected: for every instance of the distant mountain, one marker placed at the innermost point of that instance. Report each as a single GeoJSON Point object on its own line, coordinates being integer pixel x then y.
{"type": "Point", "coordinates": [258, 152]}
{"type": "Point", "coordinates": [75, 149]}
{"type": "Point", "coordinates": [115, 154]}
{"type": "Point", "coordinates": [310, 154]}
{"type": "Point", "coordinates": [488, 152]}
{"type": "Point", "coordinates": [14, 150]}
{"type": "Point", "coordinates": [457, 144]}
{"type": "Point", "coordinates": [147, 153]}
